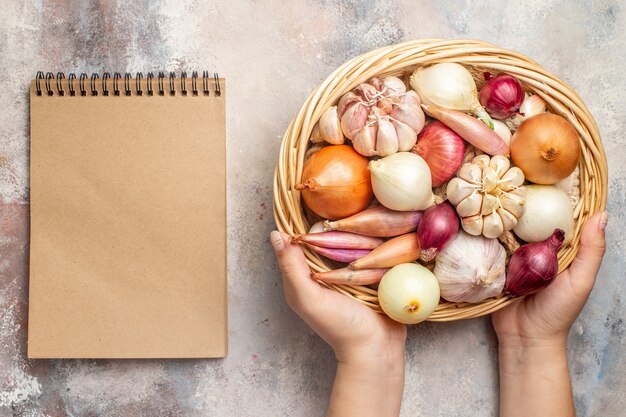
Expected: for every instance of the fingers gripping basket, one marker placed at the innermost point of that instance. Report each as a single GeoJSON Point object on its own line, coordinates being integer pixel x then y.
{"type": "Point", "coordinates": [400, 60]}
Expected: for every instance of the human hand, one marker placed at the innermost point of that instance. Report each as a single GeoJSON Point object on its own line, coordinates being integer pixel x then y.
{"type": "Point", "coordinates": [354, 331]}
{"type": "Point", "coordinates": [544, 318]}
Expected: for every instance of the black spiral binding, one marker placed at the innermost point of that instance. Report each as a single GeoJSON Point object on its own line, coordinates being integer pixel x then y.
{"type": "Point", "coordinates": [54, 84]}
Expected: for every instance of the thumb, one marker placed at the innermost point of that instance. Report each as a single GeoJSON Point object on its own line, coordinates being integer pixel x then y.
{"type": "Point", "coordinates": [592, 246]}
{"type": "Point", "coordinates": [296, 274]}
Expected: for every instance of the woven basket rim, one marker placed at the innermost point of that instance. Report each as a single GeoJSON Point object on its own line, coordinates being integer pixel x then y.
{"type": "Point", "coordinates": [395, 59]}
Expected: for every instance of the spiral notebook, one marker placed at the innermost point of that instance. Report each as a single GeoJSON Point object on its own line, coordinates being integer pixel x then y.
{"type": "Point", "coordinates": [128, 216]}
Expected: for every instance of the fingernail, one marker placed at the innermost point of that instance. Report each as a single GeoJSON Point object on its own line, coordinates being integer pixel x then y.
{"type": "Point", "coordinates": [277, 241]}
{"type": "Point", "coordinates": [604, 220]}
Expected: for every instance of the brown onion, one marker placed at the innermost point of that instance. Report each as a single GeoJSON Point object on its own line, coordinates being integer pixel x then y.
{"type": "Point", "coordinates": [442, 149]}
{"type": "Point", "coordinates": [336, 182]}
{"type": "Point", "coordinates": [546, 148]}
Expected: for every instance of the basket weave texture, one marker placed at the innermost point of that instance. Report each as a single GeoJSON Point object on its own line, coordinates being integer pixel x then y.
{"type": "Point", "coordinates": [400, 60]}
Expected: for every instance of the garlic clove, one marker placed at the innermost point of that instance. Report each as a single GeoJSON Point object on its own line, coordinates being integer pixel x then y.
{"type": "Point", "coordinates": [411, 98]}
{"type": "Point", "coordinates": [470, 173]}
{"type": "Point", "coordinates": [481, 160]}
{"type": "Point", "coordinates": [512, 203]}
{"type": "Point", "coordinates": [490, 179]}
{"type": "Point", "coordinates": [471, 205]}
{"type": "Point", "coordinates": [407, 138]}
{"type": "Point", "coordinates": [393, 86]}
{"type": "Point", "coordinates": [500, 164]}
{"type": "Point", "coordinates": [513, 178]}
{"type": "Point", "coordinates": [503, 131]}
{"type": "Point", "coordinates": [346, 101]}
{"type": "Point", "coordinates": [492, 226]}
{"type": "Point", "coordinates": [316, 136]}
{"type": "Point", "coordinates": [366, 91]}
{"type": "Point", "coordinates": [330, 126]}
{"type": "Point", "coordinates": [519, 192]}
{"type": "Point", "coordinates": [354, 119]}
{"type": "Point", "coordinates": [377, 83]}
{"type": "Point", "coordinates": [385, 104]}
{"type": "Point", "coordinates": [409, 114]}
{"type": "Point", "coordinates": [509, 221]}
{"type": "Point", "coordinates": [473, 225]}
{"type": "Point", "coordinates": [458, 189]}
{"type": "Point", "coordinates": [490, 203]}
{"type": "Point", "coordinates": [386, 138]}
{"type": "Point", "coordinates": [364, 141]}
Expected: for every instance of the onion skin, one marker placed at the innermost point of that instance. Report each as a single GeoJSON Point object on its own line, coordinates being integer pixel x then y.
{"type": "Point", "coordinates": [438, 227]}
{"type": "Point", "coordinates": [378, 222]}
{"type": "Point", "coordinates": [534, 266]}
{"type": "Point", "coordinates": [546, 148]}
{"type": "Point", "coordinates": [341, 255]}
{"type": "Point", "coordinates": [336, 182]}
{"type": "Point", "coordinates": [349, 276]}
{"type": "Point", "coordinates": [393, 252]}
{"type": "Point", "coordinates": [470, 129]}
{"type": "Point", "coordinates": [338, 240]}
{"type": "Point", "coordinates": [502, 96]}
{"type": "Point", "coordinates": [442, 149]}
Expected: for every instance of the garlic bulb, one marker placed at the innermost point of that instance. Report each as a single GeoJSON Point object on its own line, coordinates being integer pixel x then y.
{"type": "Point", "coordinates": [381, 117]}
{"type": "Point", "coordinates": [531, 106]}
{"type": "Point", "coordinates": [451, 86]}
{"type": "Point", "coordinates": [470, 268]}
{"type": "Point", "coordinates": [402, 182]}
{"type": "Point", "coordinates": [488, 195]}
{"type": "Point", "coordinates": [328, 128]}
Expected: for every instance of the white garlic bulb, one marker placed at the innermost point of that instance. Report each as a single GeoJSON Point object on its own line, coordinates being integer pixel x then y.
{"type": "Point", "coordinates": [488, 195]}
{"type": "Point", "coordinates": [471, 268]}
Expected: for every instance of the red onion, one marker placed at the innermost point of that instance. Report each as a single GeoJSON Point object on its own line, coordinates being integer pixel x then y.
{"type": "Point", "coordinates": [502, 96]}
{"type": "Point", "coordinates": [439, 225]}
{"type": "Point", "coordinates": [442, 149]}
{"type": "Point", "coordinates": [534, 265]}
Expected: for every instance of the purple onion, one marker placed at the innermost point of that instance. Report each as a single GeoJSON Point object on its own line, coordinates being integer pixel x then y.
{"type": "Point", "coordinates": [534, 266]}
{"type": "Point", "coordinates": [502, 96]}
{"type": "Point", "coordinates": [439, 225]}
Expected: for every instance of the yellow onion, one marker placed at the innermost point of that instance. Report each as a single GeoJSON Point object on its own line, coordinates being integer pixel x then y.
{"type": "Point", "coordinates": [546, 148]}
{"type": "Point", "coordinates": [336, 182]}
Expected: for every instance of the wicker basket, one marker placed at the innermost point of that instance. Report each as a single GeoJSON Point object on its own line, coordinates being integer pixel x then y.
{"type": "Point", "coordinates": [400, 60]}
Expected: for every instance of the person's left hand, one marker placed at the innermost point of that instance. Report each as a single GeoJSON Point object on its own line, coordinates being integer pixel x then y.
{"type": "Point", "coordinates": [354, 331]}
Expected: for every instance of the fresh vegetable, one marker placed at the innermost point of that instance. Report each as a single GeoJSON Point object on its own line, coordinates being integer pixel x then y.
{"type": "Point", "coordinates": [439, 225]}
{"type": "Point", "coordinates": [349, 276]}
{"type": "Point", "coordinates": [469, 129]}
{"type": "Point", "coordinates": [328, 128]}
{"type": "Point", "coordinates": [381, 117]}
{"type": "Point", "coordinates": [442, 149]}
{"type": "Point", "coordinates": [534, 266]}
{"type": "Point", "coordinates": [488, 195]}
{"type": "Point", "coordinates": [502, 96]}
{"type": "Point", "coordinates": [341, 254]}
{"type": "Point", "coordinates": [336, 182]}
{"type": "Point", "coordinates": [408, 293]}
{"type": "Point", "coordinates": [531, 106]}
{"type": "Point", "coordinates": [402, 182]}
{"type": "Point", "coordinates": [393, 252]}
{"type": "Point", "coordinates": [546, 147]}
{"type": "Point", "coordinates": [317, 227]}
{"type": "Point", "coordinates": [378, 221]}
{"type": "Point", "coordinates": [546, 208]}
{"type": "Point", "coordinates": [503, 131]}
{"type": "Point", "coordinates": [451, 86]}
{"type": "Point", "coordinates": [470, 268]}
{"type": "Point", "coordinates": [338, 240]}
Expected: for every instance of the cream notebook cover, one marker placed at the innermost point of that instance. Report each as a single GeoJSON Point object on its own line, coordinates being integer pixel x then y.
{"type": "Point", "coordinates": [128, 217]}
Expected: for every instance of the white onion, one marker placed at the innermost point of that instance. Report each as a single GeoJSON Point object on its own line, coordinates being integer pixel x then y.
{"type": "Point", "coordinates": [503, 131]}
{"type": "Point", "coordinates": [408, 293]}
{"type": "Point", "coordinates": [546, 208]}
{"type": "Point", "coordinates": [402, 182]}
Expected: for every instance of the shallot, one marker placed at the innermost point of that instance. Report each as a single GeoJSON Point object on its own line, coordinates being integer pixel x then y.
{"type": "Point", "coordinates": [349, 276]}
{"type": "Point", "coordinates": [338, 240]}
{"type": "Point", "coordinates": [439, 225]}
{"type": "Point", "coordinates": [534, 266]}
{"type": "Point", "coordinates": [395, 251]}
{"type": "Point", "coordinates": [378, 221]}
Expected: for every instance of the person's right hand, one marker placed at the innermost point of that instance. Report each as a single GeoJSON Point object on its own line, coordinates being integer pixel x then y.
{"type": "Point", "coordinates": [546, 317]}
